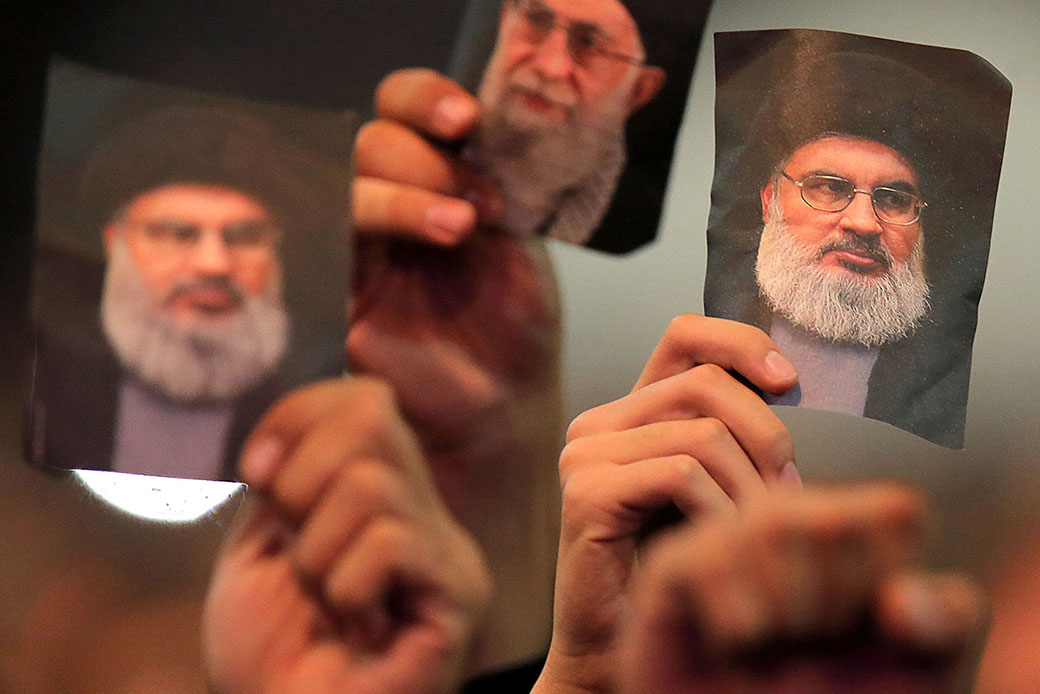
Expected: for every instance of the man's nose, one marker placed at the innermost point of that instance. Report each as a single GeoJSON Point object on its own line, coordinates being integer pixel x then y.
{"type": "Point", "coordinates": [552, 57]}
{"type": "Point", "coordinates": [859, 217]}
{"type": "Point", "coordinates": [210, 255]}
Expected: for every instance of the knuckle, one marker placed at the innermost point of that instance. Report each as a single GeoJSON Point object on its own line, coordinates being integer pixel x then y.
{"type": "Point", "coordinates": [375, 391]}
{"type": "Point", "coordinates": [367, 139]}
{"type": "Point", "coordinates": [778, 439]}
{"type": "Point", "coordinates": [371, 144]}
{"type": "Point", "coordinates": [683, 328]}
{"type": "Point", "coordinates": [711, 431]}
{"type": "Point", "coordinates": [389, 537]}
{"type": "Point", "coordinates": [710, 374]}
{"type": "Point", "coordinates": [396, 81]}
{"type": "Point", "coordinates": [582, 425]}
{"type": "Point", "coordinates": [373, 408]}
{"type": "Point", "coordinates": [681, 469]}
{"type": "Point", "coordinates": [578, 496]}
{"type": "Point", "coordinates": [366, 483]}
{"type": "Point", "coordinates": [575, 454]}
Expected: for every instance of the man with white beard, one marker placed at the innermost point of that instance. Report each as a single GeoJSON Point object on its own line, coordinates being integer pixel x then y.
{"type": "Point", "coordinates": [189, 341]}
{"type": "Point", "coordinates": [563, 79]}
{"type": "Point", "coordinates": [193, 302]}
{"type": "Point", "coordinates": [841, 264]}
{"type": "Point", "coordinates": [851, 212]}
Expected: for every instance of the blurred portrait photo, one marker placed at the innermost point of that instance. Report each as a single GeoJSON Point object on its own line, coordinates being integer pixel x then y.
{"type": "Point", "coordinates": [191, 266]}
{"type": "Point", "coordinates": [573, 93]}
{"type": "Point", "coordinates": [852, 206]}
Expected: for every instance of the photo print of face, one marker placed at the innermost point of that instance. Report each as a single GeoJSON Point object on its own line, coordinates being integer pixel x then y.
{"type": "Point", "coordinates": [852, 206]}
{"type": "Point", "coordinates": [191, 267]}
{"type": "Point", "coordinates": [581, 103]}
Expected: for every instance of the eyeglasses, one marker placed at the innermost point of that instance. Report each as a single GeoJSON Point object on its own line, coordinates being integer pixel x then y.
{"type": "Point", "coordinates": [180, 236]}
{"type": "Point", "coordinates": [586, 41]}
{"type": "Point", "coordinates": [834, 193]}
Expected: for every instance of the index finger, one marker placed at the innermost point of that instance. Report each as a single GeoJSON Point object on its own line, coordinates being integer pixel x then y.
{"type": "Point", "coordinates": [691, 340]}
{"type": "Point", "coordinates": [427, 101]}
{"type": "Point", "coordinates": [360, 411]}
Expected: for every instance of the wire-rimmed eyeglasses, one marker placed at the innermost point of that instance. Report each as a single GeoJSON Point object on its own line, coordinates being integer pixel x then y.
{"type": "Point", "coordinates": [829, 193]}
{"type": "Point", "coordinates": [586, 41]}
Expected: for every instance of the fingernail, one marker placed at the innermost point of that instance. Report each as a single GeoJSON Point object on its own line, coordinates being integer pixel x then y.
{"type": "Point", "coordinates": [779, 367]}
{"type": "Point", "coordinates": [789, 477]}
{"type": "Point", "coordinates": [260, 461]}
{"type": "Point", "coordinates": [452, 113]}
{"type": "Point", "coordinates": [453, 220]}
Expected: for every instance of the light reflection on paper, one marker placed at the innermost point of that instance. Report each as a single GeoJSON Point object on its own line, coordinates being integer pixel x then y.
{"type": "Point", "coordinates": [158, 498]}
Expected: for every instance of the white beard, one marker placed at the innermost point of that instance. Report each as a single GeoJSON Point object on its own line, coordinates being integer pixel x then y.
{"type": "Point", "coordinates": [841, 307]}
{"type": "Point", "coordinates": [536, 161]}
{"type": "Point", "coordinates": [203, 362]}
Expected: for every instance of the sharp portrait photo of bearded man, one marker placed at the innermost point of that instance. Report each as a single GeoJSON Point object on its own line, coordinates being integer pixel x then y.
{"type": "Point", "coordinates": [874, 175]}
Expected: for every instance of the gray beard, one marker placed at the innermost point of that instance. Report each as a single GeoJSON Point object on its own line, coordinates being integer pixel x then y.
{"type": "Point", "coordinates": [536, 166]}
{"type": "Point", "coordinates": [198, 363]}
{"type": "Point", "coordinates": [841, 307]}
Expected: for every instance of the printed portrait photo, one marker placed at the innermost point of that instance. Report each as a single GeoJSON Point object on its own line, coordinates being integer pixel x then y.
{"type": "Point", "coordinates": [581, 102]}
{"type": "Point", "coordinates": [191, 266]}
{"type": "Point", "coordinates": [852, 205]}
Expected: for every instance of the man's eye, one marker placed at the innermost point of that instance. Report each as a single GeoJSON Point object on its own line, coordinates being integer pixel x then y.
{"type": "Point", "coordinates": [245, 234]}
{"type": "Point", "coordinates": [889, 199]}
{"type": "Point", "coordinates": [828, 187]}
{"type": "Point", "coordinates": [172, 231]}
{"type": "Point", "coordinates": [584, 38]}
{"type": "Point", "coordinates": [540, 20]}
{"type": "Point", "coordinates": [837, 186]}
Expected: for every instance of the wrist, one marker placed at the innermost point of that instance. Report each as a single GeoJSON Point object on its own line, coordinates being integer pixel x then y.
{"type": "Point", "coordinates": [575, 674]}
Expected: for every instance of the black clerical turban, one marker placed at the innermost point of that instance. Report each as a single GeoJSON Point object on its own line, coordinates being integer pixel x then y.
{"type": "Point", "coordinates": [934, 106]}
{"type": "Point", "coordinates": [208, 144]}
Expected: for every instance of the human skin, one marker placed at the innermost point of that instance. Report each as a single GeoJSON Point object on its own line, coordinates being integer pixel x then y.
{"type": "Point", "coordinates": [345, 572]}
{"type": "Point", "coordinates": [689, 435]}
{"type": "Point", "coordinates": [210, 207]}
{"type": "Point", "coordinates": [812, 593]}
{"type": "Point", "coordinates": [867, 164]}
{"type": "Point", "coordinates": [569, 91]}
{"type": "Point", "coordinates": [465, 327]}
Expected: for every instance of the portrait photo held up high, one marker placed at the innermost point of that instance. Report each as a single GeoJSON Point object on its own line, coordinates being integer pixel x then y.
{"type": "Point", "coordinates": [581, 102]}
{"type": "Point", "coordinates": [851, 212]}
{"type": "Point", "coordinates": [191, 266]}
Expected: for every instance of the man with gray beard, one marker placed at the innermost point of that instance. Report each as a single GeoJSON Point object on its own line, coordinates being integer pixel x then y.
{"type": "Point", "coordinates": [562, 81]}
{"type": "Point", "coordinates": [851, 210]}
{"type": "Point", "coordinates": [841, 264]}
{"type": "Point", "coordinates": [197, 207]}
{"type": "Point", "coordinates": [229, 336]}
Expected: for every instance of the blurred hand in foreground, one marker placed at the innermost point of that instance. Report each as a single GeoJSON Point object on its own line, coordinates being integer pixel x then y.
{"type": "Point", "coordinates": [345, 572]}
{"type": "Point", "coordinates": [813, 593]}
